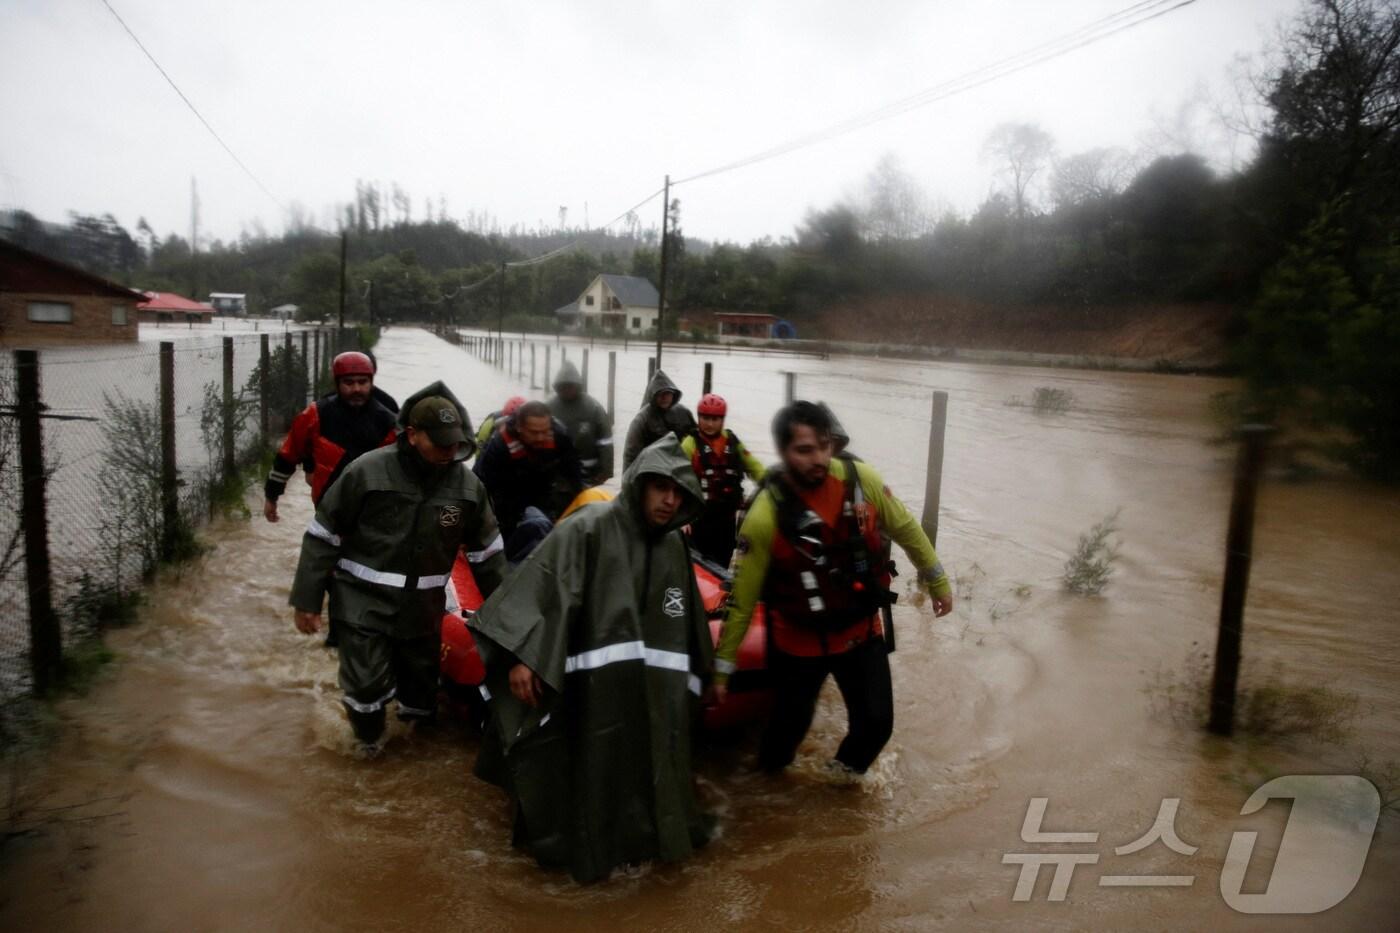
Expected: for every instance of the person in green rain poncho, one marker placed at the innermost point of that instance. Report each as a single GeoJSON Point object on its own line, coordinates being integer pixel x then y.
{"type": "Point", "coordinates": [597, 653]}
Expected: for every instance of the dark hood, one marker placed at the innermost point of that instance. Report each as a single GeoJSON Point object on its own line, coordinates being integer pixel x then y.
{"type": "Point", "coordinates": [660, 382]}
{"type": "Point", "coordinates": [663, 458]}
{"type": "Point", "coordinates": [468, 447]}
{"type": "Point", "coordinates": [568, 376]}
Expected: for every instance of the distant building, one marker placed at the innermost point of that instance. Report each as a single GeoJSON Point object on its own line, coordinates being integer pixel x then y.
{"type": "Point", "coordinates": [761, 326]}
{"type": "Point", "coordinates": [44, 302]}
{"type": "Point", "coordinates": [614, 303]}
{"type": "Point", "coordinates": [170, 308]}
{"type": "Point", "coordinates": [233, 303]}
{"type": "Point", "coordinates": [284, 312]}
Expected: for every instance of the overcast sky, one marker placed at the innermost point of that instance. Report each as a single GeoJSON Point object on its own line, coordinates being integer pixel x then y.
{"type": "Point", "coordinates": [518, 108]}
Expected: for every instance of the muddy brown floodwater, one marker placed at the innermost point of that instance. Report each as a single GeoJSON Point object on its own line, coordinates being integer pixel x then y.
{"type": "Point", "coordinates": [207, 782]}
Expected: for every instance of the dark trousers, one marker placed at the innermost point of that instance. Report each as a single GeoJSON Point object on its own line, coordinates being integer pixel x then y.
{"type": "Point", "coordinates": [862, 674]}
{"type": "Point", "coordinates": [376, 668]}
{"type": "Point", "coordinates": [713, 533]}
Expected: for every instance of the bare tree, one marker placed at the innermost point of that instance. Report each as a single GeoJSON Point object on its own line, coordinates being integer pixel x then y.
{"type": "Point", "coordinates": [1021, 152]}
{"type": "Point", "coordinates": [895, 207]}
{"type": "Point", "coordinates": [1089, 176]}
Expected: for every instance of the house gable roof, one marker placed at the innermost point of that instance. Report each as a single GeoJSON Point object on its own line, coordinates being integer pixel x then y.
{"type": "Point", "coordinates": [23, 270]}
{"type": "Point", "coordinates": [170, 301]}
{"type": "Point", "coordinates": [632, 291]}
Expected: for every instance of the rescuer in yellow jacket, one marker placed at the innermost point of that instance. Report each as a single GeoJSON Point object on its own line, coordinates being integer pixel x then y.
{"type": "Point", "coordinates": [810, 548]}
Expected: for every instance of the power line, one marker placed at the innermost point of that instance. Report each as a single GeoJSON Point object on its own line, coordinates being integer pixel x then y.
{"type": "Point", "coordinates": [559, 251]}
{"type": "Point", "coordinates": [171, 81]}
{"type": "Point", "coordinates": [1103, 28]}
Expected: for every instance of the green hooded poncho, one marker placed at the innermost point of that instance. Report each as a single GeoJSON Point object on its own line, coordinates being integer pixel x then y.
{"type": "Point", "coordinates": [652, 423]}
{"type": "Point", "coordinates": [607, 613]}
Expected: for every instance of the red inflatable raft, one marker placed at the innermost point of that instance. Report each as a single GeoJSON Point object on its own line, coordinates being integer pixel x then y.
{"type": "Point", "coordinates": [748, 698]}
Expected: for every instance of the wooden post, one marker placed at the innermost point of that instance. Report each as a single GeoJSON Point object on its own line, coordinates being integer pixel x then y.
{"type": "Point", "coordinates": [169, 490]}
{"type": "Point", "coordinates": [612, 385]}
{"type": "Point", "coordinates": [548, 369]}
{"type": "Point", "coordinates": [532, 365]}
{"type": "Point", "coordinates": [344, 248]}
{"type": "Point", "coordinates": [228, 435]}
{"type": "Point", "coordinates": [789, 387]}
{"type": "Point", "coordinates": [651, 368]}
{"type": "Point", "coordinates": [933, 479]}
{"type": "Point", "coordinates": [709, 379]}
{"type": "Point", "coordinates": [585, 370]}
{"type": "Point", "coordinates": [316, 364]}
{"type": "Point", "coordinates": [45, 633]}
{"type": "Point", "coordinates": [264, 384]}
{"type": "Point", "coordinates": [1239, 543]}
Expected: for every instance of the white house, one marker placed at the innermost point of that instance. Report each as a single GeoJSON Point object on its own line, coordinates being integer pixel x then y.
{"type": "Point", "coordinates": [614, 303]}
{"type": "Point", "coordinates": [235, 303]}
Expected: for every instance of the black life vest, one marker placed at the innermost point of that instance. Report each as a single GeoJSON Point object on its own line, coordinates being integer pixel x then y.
{"type": "Point", "coordinates": [821, 577]}
{"type": "Point", "coordinates": [721, 475]}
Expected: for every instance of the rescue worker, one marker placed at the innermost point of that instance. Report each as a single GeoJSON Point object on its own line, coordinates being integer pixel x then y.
{"type": "Point", "coordinates": [596, 654]}
{"type": "Point", "coordinates": [587, 422]}
{"type": "Point", "coordinates": [331, 432]}
{"type": "Point", "coordinates": [532, 473]}
{"type": "Point", "coordinates": [809, 545]}
{"type": "Point", "coordinates": [661, 414]}
{"type": "Point", "coordinates": [382, 544]}
{"type": "Point", "coordinates": [720, 460]}
{"type": "Point", "coordinates": [491, 422]}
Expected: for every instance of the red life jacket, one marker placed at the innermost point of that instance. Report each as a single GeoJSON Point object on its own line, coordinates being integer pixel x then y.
{"type": "Point", "coordinates": [518, 451]}
{"type": "Point", "coordinates": [826, 583]}
{"type": "Point", "coordinates": [325, 438]}
{"type": "Point", "coordinates": [721, 474]}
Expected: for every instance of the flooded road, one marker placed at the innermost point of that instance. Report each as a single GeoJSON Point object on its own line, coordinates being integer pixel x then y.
{"type": "Point", "coordinates": [207, 783]}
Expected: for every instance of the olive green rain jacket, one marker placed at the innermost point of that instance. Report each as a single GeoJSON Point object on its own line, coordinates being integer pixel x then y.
{"type": "Point", "coordinates": [607, 613]}
{"type": "Point", "coordinates": [589, 426]}
{"type": "Point", "coordinates": [386, 534]}
{"type": "Point", "coordinates": [652, 423]}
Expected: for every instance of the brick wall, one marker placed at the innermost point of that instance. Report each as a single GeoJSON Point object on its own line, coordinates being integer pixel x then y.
{"type": "Point", "coordinates": [92, 321]}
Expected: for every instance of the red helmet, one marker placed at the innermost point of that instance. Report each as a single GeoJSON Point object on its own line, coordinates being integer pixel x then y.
{"type": "Point", "coordinates": [352, 363]}
{"type": "Point", "coordinates": [712, 404]}
{"type": "Point", "coordinates": [513, 405]}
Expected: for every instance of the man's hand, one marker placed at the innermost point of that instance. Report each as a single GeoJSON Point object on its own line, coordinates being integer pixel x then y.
{"type": "Point", "coordinates": [270, 509]}
{"type": "Point", "coordinates": [942, 605]}
{"type": "Point", "coordinates": [308, 623]}
{"type": "Point", "coordinates": [715, 695]}
{"type": "Point", "coordinates": [526, 685]}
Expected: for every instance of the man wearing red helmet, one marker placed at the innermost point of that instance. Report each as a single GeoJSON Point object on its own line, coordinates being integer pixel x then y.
{"type": "Point", "coordinates": [491, 422]}
{"type": "Point", "coordinates": [720, 460]}
{"type": "Point", "coordinates": [332, 431]}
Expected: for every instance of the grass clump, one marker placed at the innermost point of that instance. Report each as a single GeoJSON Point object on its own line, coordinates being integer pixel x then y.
{"type": "Point", "coordinates": [1045, 400]}
{"type": "Point", "coordinates": [1089, 568]}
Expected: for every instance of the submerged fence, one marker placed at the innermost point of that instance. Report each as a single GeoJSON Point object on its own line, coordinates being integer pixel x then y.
{"type": "Point", "coordinates": [111, 456]}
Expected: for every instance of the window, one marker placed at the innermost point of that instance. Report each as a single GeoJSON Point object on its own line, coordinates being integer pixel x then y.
{"type": "Point", "coordinates": [616, 305]}
{"type": "Point", "coordinates": [636, 323]}
{"type": "Point", "coordinates": [588, 301]}
{"type": "Point", "coordinates": [119, 315]}
{"type": "Point", "coordinates": [50, 312]}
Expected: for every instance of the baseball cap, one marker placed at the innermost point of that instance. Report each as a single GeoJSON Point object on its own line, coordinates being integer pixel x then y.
{"type": "Point", "coordinates": [440, 418]}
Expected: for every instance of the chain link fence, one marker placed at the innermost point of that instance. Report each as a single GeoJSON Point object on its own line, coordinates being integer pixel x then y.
{"type": "Point", "coordinates": [112, 456]}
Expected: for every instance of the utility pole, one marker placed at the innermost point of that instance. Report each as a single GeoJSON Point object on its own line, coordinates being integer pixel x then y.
{"type": "Point", "coordinates": [194, 236]}
{"type": "Point", "coordinates": [344, 248]}
{"type": "Point", "coordinates": [661, 289]}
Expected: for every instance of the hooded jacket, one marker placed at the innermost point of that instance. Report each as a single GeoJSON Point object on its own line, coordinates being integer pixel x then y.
{"type": "Point", "coordinates": [588, 425]}
{"type": "Point", "coordinates": [386, 534]}
{"type": "Point", "coordinates": [652, 423]}
{"type": "Point", "coordinates": [517, 477]}
{"type": "Point", "coordinates": [606, 611]}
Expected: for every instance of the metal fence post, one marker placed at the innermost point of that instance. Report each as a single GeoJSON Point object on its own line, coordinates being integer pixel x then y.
{"type": "Point", "coordinates": [1239, 543]}
{"type": "Point", "coordinates": [264, 383]}
{"type": "Point", "coordinates": [229, 467]}
{"type": "Point", "coordinates": [169, 490]}
{"type": "Point", "coordinates": [933, 482]}
{"type": "Point", "coordinates": [612, 385]}
{"type": "Point", "coordinates": [45, 634]}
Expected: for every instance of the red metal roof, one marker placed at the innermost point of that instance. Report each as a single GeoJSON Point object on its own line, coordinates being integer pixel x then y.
{"type": "Point", "coordinates": [737, 316]}
{"type": "Point", "coordinates": [169, 301]}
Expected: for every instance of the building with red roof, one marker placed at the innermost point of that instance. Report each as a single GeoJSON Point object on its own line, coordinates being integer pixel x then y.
{"type": "Point", "coordinates": [169, 308]}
